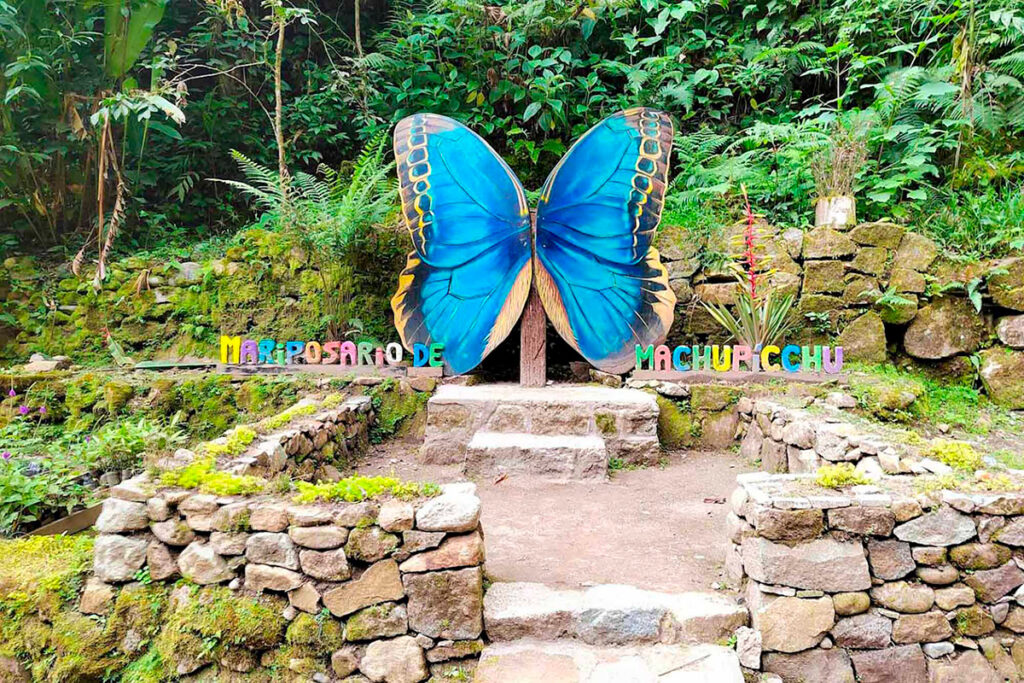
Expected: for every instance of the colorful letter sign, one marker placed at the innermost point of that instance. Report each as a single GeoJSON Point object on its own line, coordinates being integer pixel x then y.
{"type": "Point", "coordinates": [477, 253]}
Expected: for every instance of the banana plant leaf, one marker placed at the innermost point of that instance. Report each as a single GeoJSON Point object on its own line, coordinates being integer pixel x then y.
{"type": "Point", "coordinates": [128, 27]}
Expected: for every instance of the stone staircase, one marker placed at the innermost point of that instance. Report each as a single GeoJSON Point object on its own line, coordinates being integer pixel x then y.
{"type": "Point", "coordinates": [556, 433]}
{"type": "Point", "coordinates": [607, 633]}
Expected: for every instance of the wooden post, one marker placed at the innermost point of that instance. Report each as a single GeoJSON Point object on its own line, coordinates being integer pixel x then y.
{"type": "Point", "coordinates": [533, 362]}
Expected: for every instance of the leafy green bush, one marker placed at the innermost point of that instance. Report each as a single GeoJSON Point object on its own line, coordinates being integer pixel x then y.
{"type": "Point", "coordinates": [118, 445]}
{"type": "Point", "coordinates": [839, 475]}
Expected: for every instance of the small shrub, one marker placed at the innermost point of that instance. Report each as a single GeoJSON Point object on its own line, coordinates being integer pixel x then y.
{"type": "Point", "coordinates": [118, 445]}
{"type": "Point", "coordinates": [356, 488]}
{"type": "Point", "coordinates": [959, 455]}
{"type": "Point", "coordinates": [839, 475]}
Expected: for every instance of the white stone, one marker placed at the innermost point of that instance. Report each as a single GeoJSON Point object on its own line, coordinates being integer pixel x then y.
{"type": "Point", "coordinates": [122, 515]}
{"type": "Point", "coordinates": [399, 660]}
{"type": "Point", "coordinates": [453, 512]}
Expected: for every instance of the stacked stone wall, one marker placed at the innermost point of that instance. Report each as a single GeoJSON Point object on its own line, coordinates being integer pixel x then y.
{"type": "Point", "coordinates": [878, 584]}
{"type": "Point", "coordinates": [838, 279]}
{"type": "Point", "coordinates": [401, 580]}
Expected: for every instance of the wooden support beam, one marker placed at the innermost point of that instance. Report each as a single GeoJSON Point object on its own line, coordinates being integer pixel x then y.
{"type": "Point", "coordinates": [533, 362]}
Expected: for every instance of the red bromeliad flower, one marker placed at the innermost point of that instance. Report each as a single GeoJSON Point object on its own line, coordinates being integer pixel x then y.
{"type": "Point", "coordinates": [750, 241]}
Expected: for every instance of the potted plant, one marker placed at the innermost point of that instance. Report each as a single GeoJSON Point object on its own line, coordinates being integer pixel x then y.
{"type": "Point", "coordinates": [835, 170]}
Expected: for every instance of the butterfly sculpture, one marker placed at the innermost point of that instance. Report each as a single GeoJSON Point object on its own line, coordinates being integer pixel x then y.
{"type": "Point", "coordinates": [588, 253]}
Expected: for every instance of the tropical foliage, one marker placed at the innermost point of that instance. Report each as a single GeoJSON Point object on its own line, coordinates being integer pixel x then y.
{"type": "Point", "coordinates": [115, 115]}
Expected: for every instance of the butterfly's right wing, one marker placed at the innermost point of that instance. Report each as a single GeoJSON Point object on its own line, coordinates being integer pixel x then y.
{"type": "Point", "coordinates": [468, 278]}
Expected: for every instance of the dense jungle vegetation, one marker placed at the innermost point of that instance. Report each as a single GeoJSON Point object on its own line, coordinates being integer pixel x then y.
{"type": "Point", "coordinates": [117, 116]}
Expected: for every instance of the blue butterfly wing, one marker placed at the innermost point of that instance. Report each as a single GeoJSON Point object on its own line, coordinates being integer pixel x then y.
{"type": "Point", "coordinates": [468, 277]}
{"type": "Point", "coordinates": [603, 285]}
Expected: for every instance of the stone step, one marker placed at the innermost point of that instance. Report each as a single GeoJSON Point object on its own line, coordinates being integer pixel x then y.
{"type": "Point", "coordinates": [625, 419]}
{"type": "Point", "coordinates": [552, 458]}
{"type": "Point", "coordinates": [608, 614]}
{"type": "Point", "coordinates": [532, 661]}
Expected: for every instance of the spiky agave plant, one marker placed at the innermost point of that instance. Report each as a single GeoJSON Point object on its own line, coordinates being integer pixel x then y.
{"type": "Point", "coordinates": [761, 315]}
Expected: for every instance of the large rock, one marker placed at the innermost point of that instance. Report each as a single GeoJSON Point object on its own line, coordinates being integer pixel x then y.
{"type": "Point", "coordinates": [865, 521]}
{"type": "Point", "coordinates": [864, 339]}
{"type": "Point", "coordinates": [823, 564]}
{"type": "Point", "coordinates": [946, 327]}
{"type": "Point", "coordinates": [890, 559]}
{"type": "Point", "coordinates": [326, 565]}
{"type": "Point", "coordinates": [930, 627]}
{"type": "Point", "coordinates": [396, 661]}
{"type": "Point", "coordinates": [1011, 331]}
{"type": "Point", "coordinates": [456, 551]}
{"type": "Point", "coordinates": [979, 555]}
{"type": "Point", "coordinates": [325, 537]}
{"type": "Point", "coordinates": [991, 584]}
{"type": "Point", "coordinates": [117, 558]}
{"type": "Point", "coordinates": [824, 277]}
{"type": "Point", "coordinates": [453, 512]}
{"type": "Point", "coordinates": [447, 604]}
{"type": "Point", "coordinates": [200, 564]}
{"type": "Point", "coordinates": [813, 666]}
{"type": "Point", "coordinates": [173, 532]}
{"type": "Point", "coordinates": [969, 667]}
{"type": "Point", "coordinates": [1002, 374]}
{"type": "Point", "coordinates": [369, 544]}
{"type": "Point", "coordinates": [121, 515]}
{"type": "Point", "coordinates": [1007, 285]}
{"type": "Point", "coordinates": [788, 525]}
{"type": "Point", "coordinates": [380, 583]}
{"type": "Point", "coordinates": [274, 549]}
{"type": "Point", "coordinates": [879, 234]}
{"type": "Point", "coordinates": [862, 632]}
{"type": "Point", "coordinates": [904, 664]}
{"type": "Point", "coordinates": [909, 598]}
{"type": "Point", "coordinates": [916, 252]}
{"type": "Point", "coordinates": [261, 577]}
{"type": "Point", "coordinates": [943, 527]}
{"type": "Point", "coordinates": [789, 624]}
{"type": "Point", "coordinates": [826, 243]}
{"type": "Point", "coordinates": [380, 621]}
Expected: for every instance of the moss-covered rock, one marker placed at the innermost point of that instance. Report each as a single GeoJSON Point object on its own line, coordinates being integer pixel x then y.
{"type": "Point", "coordinates": [713, 397]}
{"type": "Point", "coordinates": [1002, 374]}
{"type": "Point", "coordinates": [676, 427]}
{"type": "Point", "coordinates": [116, 395]}
{"type": "Point", "coordinates": [323, 634]}
{"type": "Point", "coordinates": [864, 339]}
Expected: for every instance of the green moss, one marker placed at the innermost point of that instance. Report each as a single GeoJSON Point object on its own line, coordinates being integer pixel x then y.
{"type": "Point", "coordinates": [205, 621]}
{"type": "Point", "coordinates": [395, 407]}
{"type": "Point", "coordinates": [139, 609]}
{"type": "Point", "coordinates": [675, 427]}
{"type": "Point", "coordinates": [987, 483]}
{"type": "Point", "coordinates": [323, 633]}
{"type": "Point", "coordinates": [81, 650]}
{"type": "Point", "coordinates": [42, 573]}
{"type": "Point", "coordinates": [713, 398]}
{"type": "Point", "coordinates": [606, 424]}
{"type": "Point", "coordinates": [82, 394]}
{"type": "Point", "coordinates": [334, 400]}
{"type": "Point", "coordinates": [203, 475]}
{"type": "Point", "coordinates": [116, 395]}
{"type": "Point", "coordinates": [208, 403]}
{"type": "Point", "coordinates": [839, 475]}
{"type": "Point", "coordinates": [357, 488]}
{"type": "Point", "coordinates": [959, 455]}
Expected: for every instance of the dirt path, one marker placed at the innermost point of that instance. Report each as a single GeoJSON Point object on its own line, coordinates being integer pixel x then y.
{"type": "Point", "coordinates": [649, 528]}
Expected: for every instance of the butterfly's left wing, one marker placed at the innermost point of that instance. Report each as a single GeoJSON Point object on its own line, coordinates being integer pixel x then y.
{"type": "Point", "coordinates": [603, 285]}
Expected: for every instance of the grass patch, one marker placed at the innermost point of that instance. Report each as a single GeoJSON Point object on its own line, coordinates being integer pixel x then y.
{"type": "Point", "coordinates": [356, 488]}
{"type": "Point", "coordinates": [982, 482]}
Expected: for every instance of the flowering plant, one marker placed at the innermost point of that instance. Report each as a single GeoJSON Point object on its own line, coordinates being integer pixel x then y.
{"type": "Point", "coordinates": [761, 316]}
